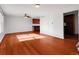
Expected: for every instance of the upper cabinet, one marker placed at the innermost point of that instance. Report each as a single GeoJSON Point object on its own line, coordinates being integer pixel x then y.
{"type": "Point", "coordinates": [36, 21]}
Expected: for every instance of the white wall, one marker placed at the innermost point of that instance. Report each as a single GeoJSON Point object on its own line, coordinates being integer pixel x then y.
{"type": "Point", "coordinates": [1, 26]}
{"type": "Point", "coordinates": [52, 25]}
{"type": "Point", "coordinates": [17, 24]}
{"type": "Point", "coordinates": [78, 24]}
{"type": "Point", "coordinates": [55, 15]}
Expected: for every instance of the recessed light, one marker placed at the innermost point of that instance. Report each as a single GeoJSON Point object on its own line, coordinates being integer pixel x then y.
{"type": "Point", "coordinates": [37, 5]}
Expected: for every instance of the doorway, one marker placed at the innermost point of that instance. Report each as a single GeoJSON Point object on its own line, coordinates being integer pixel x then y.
{"type": "Point", "coordinates": [71, 25]}
{"type": "Point", "coordinates": [36, 25]}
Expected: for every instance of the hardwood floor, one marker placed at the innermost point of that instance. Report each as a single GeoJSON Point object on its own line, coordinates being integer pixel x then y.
{"type": "Point", "coordinates": [42, 45]}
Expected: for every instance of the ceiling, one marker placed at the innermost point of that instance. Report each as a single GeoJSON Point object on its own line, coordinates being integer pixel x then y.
{"type": "Point", "coordinates": [21, 9]}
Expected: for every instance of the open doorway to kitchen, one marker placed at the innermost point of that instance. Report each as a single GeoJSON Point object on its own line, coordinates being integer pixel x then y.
{"type": "Point", "coordinates": [36, 25]}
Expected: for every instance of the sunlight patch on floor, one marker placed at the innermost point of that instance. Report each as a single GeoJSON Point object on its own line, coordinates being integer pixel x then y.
{"type": "Point", "coordinates": [24, 37]}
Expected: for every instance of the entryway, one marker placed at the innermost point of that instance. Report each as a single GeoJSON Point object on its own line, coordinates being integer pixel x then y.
{"type": "Point", "coordinates": [71, 25]}
{"type": "Point", "coordinates": [71, 30]}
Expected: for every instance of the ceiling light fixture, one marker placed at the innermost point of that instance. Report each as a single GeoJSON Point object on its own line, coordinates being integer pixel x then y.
{"type": "Point", "coordinates": [37, 5]}
{"type": "Point", "coordinates": [27, 16]}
